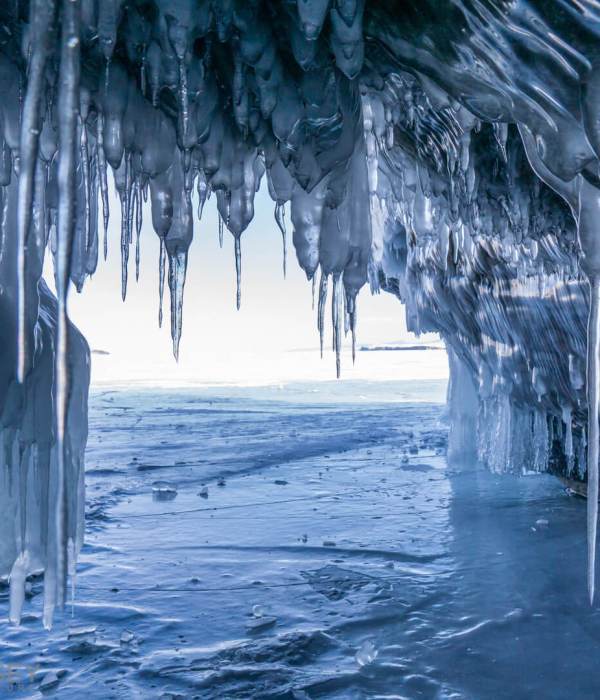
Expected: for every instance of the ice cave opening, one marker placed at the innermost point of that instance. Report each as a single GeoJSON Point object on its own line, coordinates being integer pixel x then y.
{"type": "Point", "coordinates": [444, 152]}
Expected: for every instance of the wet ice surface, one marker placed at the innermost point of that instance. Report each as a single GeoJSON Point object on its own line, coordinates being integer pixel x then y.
{"type": "Point", "coordinates": [304, 546]}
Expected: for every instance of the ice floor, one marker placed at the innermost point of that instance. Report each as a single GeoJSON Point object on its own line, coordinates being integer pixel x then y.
{"type": "Point", "coordinates": [289, 543]}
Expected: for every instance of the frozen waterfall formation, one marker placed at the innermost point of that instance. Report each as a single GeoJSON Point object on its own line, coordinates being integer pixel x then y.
{"type": "Point", "coordinates": [446, 151]}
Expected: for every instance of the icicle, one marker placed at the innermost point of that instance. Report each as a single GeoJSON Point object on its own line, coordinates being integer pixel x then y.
{"type": "Point", "coordinates": [124, 247]}
{"type": "Point", "coordinates": [203, 192]}
{"type": "Point", "coordinates": [314, 289]}
{"type": "Point", "coordinates": [102, 176]}
{"type": "Point", "coordinates": [177, 270]}
{"type": "Point", "coordinates": [85, 165]}
{"type": "Point", "coordinates": [41, 18]}
{"type": "Point", "coordinates": [161, 280]}
{"type": "Point", "coordinates": [68, 104]}
{"type": "Point", "coordinates": [280, 219]}
{"type": "Point", "coordinates": [238, 271]}
{"type": "Point", "coordinates": [220, 231]}
{"type": "Point", "coordinates": [593, 398]}
{"type": "Point", "coordinates": [567, 416]}
{"type": "Point", "coordinates": [336, 315]}
{"type": "Point", "coordinates": [138, 226]}
{"type": "Point", "coordinates": [130, 194]}
{"type": "Point", "coordinates": [17, 579]}
{"type": "Point", "coordinates": [126, 223]}
{"type": "Point", "coordinates": [351, 304]}
{"type": "Point", "coordinates": [321, 308]}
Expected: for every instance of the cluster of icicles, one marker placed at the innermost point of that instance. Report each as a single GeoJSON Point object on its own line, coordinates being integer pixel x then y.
{"type": "Point", "coordinates": [381, 147]}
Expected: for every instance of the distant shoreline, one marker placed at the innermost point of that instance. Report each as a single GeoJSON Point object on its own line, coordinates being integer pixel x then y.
{"type": "Point", "coordinates": [390, 348]}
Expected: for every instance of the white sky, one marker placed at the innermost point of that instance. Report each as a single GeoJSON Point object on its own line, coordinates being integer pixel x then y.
{"type": "Point", "coordinates": [272, 338]}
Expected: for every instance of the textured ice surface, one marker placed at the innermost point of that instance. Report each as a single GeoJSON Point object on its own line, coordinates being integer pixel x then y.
{"type": "Point", "coordinates": [446, 572]}
{"type": "Point", "coordinates": [443, 151]}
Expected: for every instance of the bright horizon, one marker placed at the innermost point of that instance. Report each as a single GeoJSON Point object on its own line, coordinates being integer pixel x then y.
{"type": "Point", "coordinates": [272, 339]}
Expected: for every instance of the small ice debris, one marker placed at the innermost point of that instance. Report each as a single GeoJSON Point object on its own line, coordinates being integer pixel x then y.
{"type": "Point", "coordinates": [329, 543]}
{"type": "Point", "coordinates": [366, 654]}
{"type": "Point", "coordinates": [258, 611]}
{"type": "Point", "coordinates": [49, 681]}
{"type": "Point", "coordinates": [126, 637]}
{"type": "Point", "coordinates": [221, 481]}
{"type": "Point", "coordinates": [163, 491]}
{"type": "Point", "coordinates": [404, 459]}
{"type": "Point", "coordinates": [305, 538]}
{"type": "Point", "coordinates": [541, 522]}
{"type": "Point", "coordinates": [280, 482]}
{"type": "Point", "coordinates": [257, 624]}
{"type": "Point", "coordinates": [83, 633]}
{"type": "Point", "coordinates": [203, 493]}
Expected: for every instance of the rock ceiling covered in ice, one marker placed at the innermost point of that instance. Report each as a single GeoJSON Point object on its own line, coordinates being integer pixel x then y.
{"type": "Point", "coordinates": [443, 150]}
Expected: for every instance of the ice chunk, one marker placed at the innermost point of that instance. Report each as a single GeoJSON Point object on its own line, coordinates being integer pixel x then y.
{"type": "Point", "coordinates": [163, 491]}
{"type": "Point", "coordinates": [367, 653]}
{"type": "Point", "coordinates": [259, 624]}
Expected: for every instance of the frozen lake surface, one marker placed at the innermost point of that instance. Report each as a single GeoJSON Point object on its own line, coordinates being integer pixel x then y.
{"type": "Point", "coordinates": [308, 541]}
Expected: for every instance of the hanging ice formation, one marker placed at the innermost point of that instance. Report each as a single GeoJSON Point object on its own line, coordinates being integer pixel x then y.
{"type": "Point", "coordinates": [444, 151]}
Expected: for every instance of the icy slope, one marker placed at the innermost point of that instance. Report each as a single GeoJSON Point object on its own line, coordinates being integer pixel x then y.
{"type": "Point", "coordinates": [443, 151]}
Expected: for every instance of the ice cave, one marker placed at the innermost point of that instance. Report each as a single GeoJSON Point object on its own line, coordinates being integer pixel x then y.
{"type": "Point", "coordinates": [445, 152]}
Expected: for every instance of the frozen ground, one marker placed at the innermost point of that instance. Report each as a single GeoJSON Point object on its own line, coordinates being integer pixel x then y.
{"type": "Point", "coordinates": [339, 558]}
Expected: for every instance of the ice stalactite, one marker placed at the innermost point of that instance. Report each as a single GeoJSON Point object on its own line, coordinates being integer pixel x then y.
{"type": "Point", "coordinates": [41, 22]}
{"type": "Point", "coordinates": [280, 219]}
{"type": "Point", "coordinates": [593, 395]}
{"type": "Point", "coordinates": [409, 162]}
{"type": "Point", "coordinates": [68, 106]}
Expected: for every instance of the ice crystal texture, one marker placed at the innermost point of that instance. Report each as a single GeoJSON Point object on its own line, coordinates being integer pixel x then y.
{"type": "Point", "coordinates": [444, 151]}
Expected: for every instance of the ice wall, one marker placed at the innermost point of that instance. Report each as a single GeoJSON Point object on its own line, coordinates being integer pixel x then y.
{"type": "Point", "coordinates": [445, 151]}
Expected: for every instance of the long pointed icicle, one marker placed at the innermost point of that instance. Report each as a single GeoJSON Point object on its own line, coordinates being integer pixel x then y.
{"type": "Point", "coordinates": [336, 303]}
{"type": "Point", "coordinates": [41, 18]}
{"type": "Point", "coordinates": [124, 247]}
{"type": "Point", "coordinates": [220, 231]}
{"type": "Point", "coordinates": [321, 308]}
{"type": "Point", "coordinates": [102, 177]}
{"type": "Point", "coordinates": [67, 137]}
{"type": "Point", "coordinates": [280, 219]}
{"type": "Point", "coordinates": [138, 227]}
{"type": "Point", "coordinates": [238, 271]}
{"type": "Point", "coordinates": [125, 225]}
{"type": "Point", "coordinates": [353, 331]}
{"type": "Point", "coordinates": [593, 396]}
{"type": "Point", "coordinates": [177, 270]}
{"type": "Point", "coordinates": [161, 280]}
{"type": "Point", "coordinates": [85, 166]}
